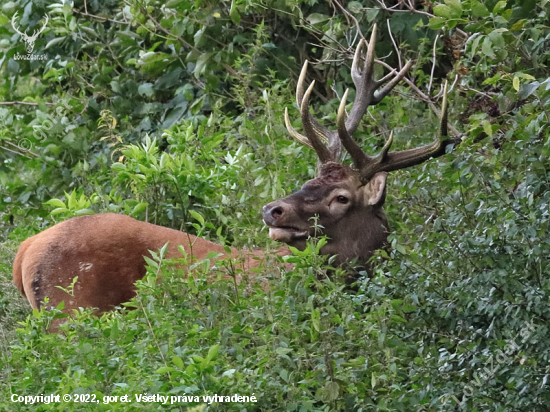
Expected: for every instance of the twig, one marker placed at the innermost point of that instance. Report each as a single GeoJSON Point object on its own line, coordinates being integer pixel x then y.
{"type": "Point", "coordinates": [434, 55]}
{"type": "Point", "coordinates": [25, 103]}
{"type": "Point", "coordinates": [348, 14]}
{"type": "Point", "coordinates": [153, 333]}
{"type": "Point", "coordinates": [86, 14]}
{"type": "Point", "coordinates": [489, 95]}
{"type": "Point", "coordinates": [394, 45]}
{"type": "Point", "coordinates": [188, 45]}
{"type": "Point", "coordinates": [411, 9]}
{"type": "Point", "coordinates": [23, 149]}
{"type": "Point", "coordinates": [16, 152]}
{"type": "Point", "coordinates": [438, 95]}
{"type": "Point", "coordinates": [424, 97]}
{"type": "Point", "coordinates": [408, 6]}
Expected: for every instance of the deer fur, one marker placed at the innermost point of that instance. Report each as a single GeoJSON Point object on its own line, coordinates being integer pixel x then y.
{"type": "Point", "coordinates": [354, 228]}
{"type": "Point", "coordinates": [106, 252]}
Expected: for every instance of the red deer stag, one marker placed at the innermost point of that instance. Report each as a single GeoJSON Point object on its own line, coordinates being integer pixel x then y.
{"type": "Point", "coordinates": [347, 201]}
{"type": "Point", "coordinates": [106, 251]}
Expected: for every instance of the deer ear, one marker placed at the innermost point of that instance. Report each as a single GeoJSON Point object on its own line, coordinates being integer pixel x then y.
{"type": "Point", "coordinates": [375, 189]}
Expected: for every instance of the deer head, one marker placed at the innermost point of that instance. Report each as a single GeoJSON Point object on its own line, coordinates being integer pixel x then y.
{"type": "Point", "coordinates": [346, 202]}
{"type": "Point", "coordinates": [29, 40]}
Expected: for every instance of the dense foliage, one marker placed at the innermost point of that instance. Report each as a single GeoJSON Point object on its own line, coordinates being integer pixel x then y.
{"type": "Point", "coordinates": [162, 110]}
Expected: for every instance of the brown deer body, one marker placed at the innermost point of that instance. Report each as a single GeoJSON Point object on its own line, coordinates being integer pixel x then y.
{"type": "Point", "coordinates": [106, 251]}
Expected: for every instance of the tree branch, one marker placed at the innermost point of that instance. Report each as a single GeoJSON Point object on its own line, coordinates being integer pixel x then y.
{"type": "Point", "coordinates": [14, 103]}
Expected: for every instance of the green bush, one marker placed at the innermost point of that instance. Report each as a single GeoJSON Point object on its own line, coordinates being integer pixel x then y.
{"type": "Point", "coordinates": [172, 112]}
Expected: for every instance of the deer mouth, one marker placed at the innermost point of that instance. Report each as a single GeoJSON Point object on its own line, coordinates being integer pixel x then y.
{"type": "Point", "coordinates": [287, 234]}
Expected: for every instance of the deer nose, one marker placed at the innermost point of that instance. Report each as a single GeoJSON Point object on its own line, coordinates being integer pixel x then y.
{"type": "Point", "coordinates": [276, 212]}
{"type": "Point", "coordinates": [272, 213]}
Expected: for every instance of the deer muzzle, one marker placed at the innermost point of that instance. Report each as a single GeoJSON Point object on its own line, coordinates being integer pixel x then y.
{"type": "Point", "coordinates": [281, 228]}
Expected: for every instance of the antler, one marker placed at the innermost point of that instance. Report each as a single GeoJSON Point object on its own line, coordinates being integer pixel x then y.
{"type": "Point", "coordinates": [368, 92]}
{"type": "Point", "coordinates": [387, 161]}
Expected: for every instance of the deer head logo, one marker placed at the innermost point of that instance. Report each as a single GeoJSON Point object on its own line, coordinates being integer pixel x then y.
{"type": "Point", "coordinates": [29, 40]}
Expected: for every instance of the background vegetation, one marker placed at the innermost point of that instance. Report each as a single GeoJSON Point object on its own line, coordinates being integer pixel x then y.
{"type": "Point", "coordinates": [154, 109]}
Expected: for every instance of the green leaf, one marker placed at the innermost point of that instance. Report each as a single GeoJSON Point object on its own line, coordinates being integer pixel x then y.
{"type": "Point", "coordinates": [480, 10]}
{"type": "Point", "coordinates": [212, 352]}
{"type": "Point", "coordinates": [456, 7]}
{"type": "Point", "coordinates": [518, 25]}
{"type": "Point", "coordinates": [315, 18]}
{"type": "Point", "coordinates": [442, 10]}
{"type": "Point", "coordinates": [487, 48]}
{"type": "Point", "coordinates": [55, 41]}
{"type": "Point", "coordinates": [84, 212]}
{"type": "Point", "coordinates": [357, 7]}
{"type": "Point", "coordinates": [140, 207]}
{"type": "Point", "coordinates": [176, 360]}
{"type": "Point", "coordinates": [515, 83]}
{"type": "Point", "coordinates": [146, 89]}
{"type": "Point", "coordinates": [525, 76]}
{"type": "Point", "coordinates": [331, 391]}
{"type": "Point", "coordinates": [528, 89]}
{"type": "Point", "coordinates": [436, 23]}
{"type": "Point", "coordinates": [501, 5]}
{"type": "Point", "coordinates": [497, 39]}
{"type": "Point", "coordinates": [164, 369]}
{"type": "Point", "coordinates": [55, 203]}
{"type": "Point", "coordinates": [117, 167]}
{"type": "Point", "coordinates": [71, 200]}
{"type": "Point", "coordinates": [283, 351]}
{"type": "Point", "coordinates": [487, 128]}
{"type": "Point", "coordinates": [9, 7]}
{"type": "Point", "coordinates": [400, 249]}
{"type": "Point", "coordinates": [58, 211]}
{"type": "Point", "coordinates": [315, 316]}
{"type": "Point", "coordinates": [198, 358]}
{"type": "Point", "coordinates": [234, 13]}
{"type": "Point", "coordinates": [200, 66]}
{"type": "Point", "coordinates": [197, 216]}
{"type": "Point", "coordinates": [372, 14]}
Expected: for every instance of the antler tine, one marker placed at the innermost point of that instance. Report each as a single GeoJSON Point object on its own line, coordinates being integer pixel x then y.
{"type": "Point", "coordinates": [389, 161]}
{"type": "Point", "coordinates": [363, 82]}
{"type": "Point", "coordinates": [358, 156]}
{"type": "Point", "coordinates": [380, 94]}
{"type": "Point", "coordinates": [294, 133]}
{"type": "Point", "coordinates": [443, 126]}
{"type": "Point", "coordinates": [317, 136]}
{"type": "Point", "coordinates": [322, 152]}
{"type": "Point", "coordinates": [367, 93]}
{"type": "Point", "coordinates": [321, 131]}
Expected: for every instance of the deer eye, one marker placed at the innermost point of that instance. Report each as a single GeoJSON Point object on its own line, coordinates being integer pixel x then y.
{"type": "Point", "coordinates": [342, 199]}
